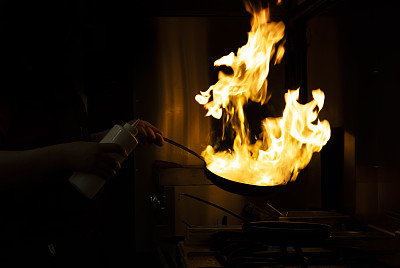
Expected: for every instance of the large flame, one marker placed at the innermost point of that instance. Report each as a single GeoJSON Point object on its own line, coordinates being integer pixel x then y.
{"type": "Point", "coordinates": [287, 143]}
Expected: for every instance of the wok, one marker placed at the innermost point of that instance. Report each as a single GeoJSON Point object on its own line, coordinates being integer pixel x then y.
{"type": "Point", "coordinates": [227, 184]}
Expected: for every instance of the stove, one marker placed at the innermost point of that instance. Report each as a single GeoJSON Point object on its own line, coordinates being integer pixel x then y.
{"type": "Point", "coordinates": [229, 247]}
{"type": "Point", "coordinates": [200, 225]}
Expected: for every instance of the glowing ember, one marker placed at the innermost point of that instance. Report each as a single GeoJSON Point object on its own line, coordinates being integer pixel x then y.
{"type": "Point", "coordinates": [287, 143]}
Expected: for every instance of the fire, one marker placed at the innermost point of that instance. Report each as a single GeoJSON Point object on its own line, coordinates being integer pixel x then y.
{"type": "Point", "coordinates": [287, 143]}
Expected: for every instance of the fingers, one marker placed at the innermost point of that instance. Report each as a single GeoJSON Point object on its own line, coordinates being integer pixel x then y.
{"type": "Point", "coordinates": [147, 134]}
{"type": "Point", "coordinates": [104, 173]}
{"type": "Point", "coordinates": [159, 139]}
{"type": "Point", "coordinates": [153, 128]}
{"type": "Point", "coordinates": [102, 159]}
{"type": "Point", "coordinates": [107, 164]}
{"type": "Point", "coordinates": [146, 124]}
{"type": "Point", "coordinates": [107, 167]}
{"type": "Point", "coordinates": [113, 148]}
{"type": "Point", "coordinates": [110, 163]}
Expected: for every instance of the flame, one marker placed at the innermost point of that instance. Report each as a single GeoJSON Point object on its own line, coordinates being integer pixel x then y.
{"type": "Point", "coordinates": [287, 143]}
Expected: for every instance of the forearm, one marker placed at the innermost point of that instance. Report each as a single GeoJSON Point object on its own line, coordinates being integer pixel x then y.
{"type": "Point", "coordinates": [18, 167]}
{"type": "Point", "coordinates": [24, 166]}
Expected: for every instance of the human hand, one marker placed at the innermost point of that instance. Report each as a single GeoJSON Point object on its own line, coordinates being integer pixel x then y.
{"type": "Point", "coordinates": [92, 157]}
{"type": "Point", "coordinates": [147, 134]}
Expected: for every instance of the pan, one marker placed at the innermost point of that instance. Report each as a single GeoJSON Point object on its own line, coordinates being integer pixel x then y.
{"type": "Point", "coordinates": [286, 233]}
{"type": "Point", "coordinates": [279, 233]}
{"type": "Point", "coordinates": [227, 184]}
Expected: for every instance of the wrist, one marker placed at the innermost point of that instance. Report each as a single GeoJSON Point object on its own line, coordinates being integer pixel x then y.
{"type": "Point", "coordinates": [61, 156]}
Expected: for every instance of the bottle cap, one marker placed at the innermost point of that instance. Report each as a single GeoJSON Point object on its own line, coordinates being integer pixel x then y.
{"type": "Point", "coordinates": [132, 128]}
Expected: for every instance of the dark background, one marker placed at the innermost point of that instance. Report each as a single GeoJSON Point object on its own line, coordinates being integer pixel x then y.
{"type": "Point", "coordinates": [102, 47]}
{"type": "Point", "coordinates": [90, 46]}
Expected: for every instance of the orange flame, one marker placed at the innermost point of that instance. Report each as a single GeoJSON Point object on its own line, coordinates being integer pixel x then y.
{"type": "Point", "coordinates": [287, 143]}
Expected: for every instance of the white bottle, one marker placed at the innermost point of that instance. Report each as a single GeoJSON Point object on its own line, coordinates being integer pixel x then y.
{"type": "Point", "coordinates": [90, 184]}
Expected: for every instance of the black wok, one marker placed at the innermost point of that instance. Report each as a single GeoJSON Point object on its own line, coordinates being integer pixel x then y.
{"type": "Point", "coordinates": [227, 184]}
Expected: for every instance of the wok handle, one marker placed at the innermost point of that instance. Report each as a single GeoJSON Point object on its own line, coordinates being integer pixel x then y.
{"type": "Point", "coordinates": [184, 148]}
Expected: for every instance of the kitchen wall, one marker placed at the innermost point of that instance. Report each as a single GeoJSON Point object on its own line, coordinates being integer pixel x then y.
{"type": "Point", "coordinates": [353, 56]}
{"type": "Point", "coordinates": [173, 72]}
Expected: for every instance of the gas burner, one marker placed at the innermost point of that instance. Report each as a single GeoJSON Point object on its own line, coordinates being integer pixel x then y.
{"type": "Point", "coordinates": [232, 248]}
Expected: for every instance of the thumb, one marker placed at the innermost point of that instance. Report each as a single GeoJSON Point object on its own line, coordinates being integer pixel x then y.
{"type": "Point", "coordinates": [113, 148]}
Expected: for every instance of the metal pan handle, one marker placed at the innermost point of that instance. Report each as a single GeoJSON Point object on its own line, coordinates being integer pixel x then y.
{"type": "Point", "coordinates": [184, 148]}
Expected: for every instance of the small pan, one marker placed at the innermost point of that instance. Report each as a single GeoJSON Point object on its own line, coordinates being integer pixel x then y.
{"type": "Point", "coordinates": [278, 233]}
{"type": "Point", "coordinates": [227, 184]}
{"type": "Point", "coordinates": [286, 233]}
